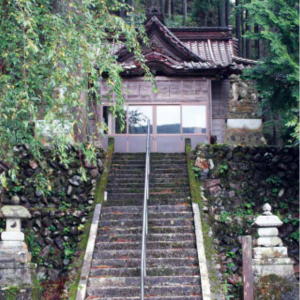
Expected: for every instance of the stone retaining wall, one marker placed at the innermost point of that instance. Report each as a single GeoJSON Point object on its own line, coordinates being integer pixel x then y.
{"type": "Point", "coordinates": [237, 181]}
{"type": "Point", "coordinates": [60, 205]}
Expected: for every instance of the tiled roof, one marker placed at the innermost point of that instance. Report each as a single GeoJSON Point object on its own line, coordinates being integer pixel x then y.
{"type": "Point", "coordinates": [218, 52]}
{"type": "Point", "coordinates": [198, 48]}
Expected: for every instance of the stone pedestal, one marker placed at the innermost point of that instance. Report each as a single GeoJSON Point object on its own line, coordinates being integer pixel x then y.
{"type": "Point", "coordinates": [244, 122]}
{"type": "Point", "coordinates": [269, 254]}
{"type": "Point", "coordinates": [15, 266]}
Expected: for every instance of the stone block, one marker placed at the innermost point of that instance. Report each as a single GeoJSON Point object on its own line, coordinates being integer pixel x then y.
{"type": "Point", "coordinates": [15, 277]}
{"type": "Point", "coordinates": [271, 241]}
{"type": "Point", "coordinates": [283, 270]}
{"type": "Point", "coordinates": [12, 236]}
{"type": "Point", "coordinates": [269, 252]}
{"type": "Point", "coordinates": [13, 224]}
{"type": "Point", "coordinates": [211, 183]}
{"type": "Point", "coordinates": [15, 211]}
{"type": "Point", "coordinates": [268, 221]}
{"type": "Point", "coordinates": [268, 231]}
{"type": "Point", "coordinates": [14, 251]}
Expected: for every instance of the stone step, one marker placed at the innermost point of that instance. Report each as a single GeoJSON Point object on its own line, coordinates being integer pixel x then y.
{"type": "Point", "coordinates": [181, 163]}
{"type": "Point", "coordinates": [151, 253]}
{"type": "Point", "coordinates": [153, 195]}
{"type": "Point", "coordinates": [182, 290]}
{"type": "Point", "coordinates": [153, 190]}
{"type": "Point", "coordinates": [132, 196]}
{"type": "Point", "coordinates": [199, 297]}
{"type": "Point", "coordinates": [137, 175]}
{"type": "Point", "coordinates": [151, 237]}
{"type": "Point", "coordinates": [140, 181]}
{"type": "Point", "coordinates": [151, 263]}
{"type": "Point", "coordinates": [163, 201]}
{"type": "Point", "coordinates": [153, 163]}
{"type": "Point", "coordinates": [138, 229]}
{"type": "Point", "coordinates": [153, 185]}
{"type": "Point", "coordinates": [149, 281]}
{"type": "Point", "coordinates": [158, 171]}
{"type": "Point", "coordinates": [127, 172]}
{"type": "Point", "coordinates": [151, 209]}
{"type": "Point", "coordinates": [152, 222]}
{"type": "Point", "coordinates": [132, 272]}
{"type": "Point", "coordinates": [152, 155]}
{"type": "Point", "coordinates": [151, 215]}
{"type": "Point", "coordinates": [150, 245]}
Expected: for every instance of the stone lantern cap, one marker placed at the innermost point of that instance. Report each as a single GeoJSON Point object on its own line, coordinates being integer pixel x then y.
{"type": "Point", "coordinates": [15, 212]}
{"type": "Point", "coordinates": [267, 219]}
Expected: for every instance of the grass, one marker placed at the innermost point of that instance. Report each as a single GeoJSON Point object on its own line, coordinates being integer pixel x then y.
{"type": "Point", "coordinates": [196, 194]}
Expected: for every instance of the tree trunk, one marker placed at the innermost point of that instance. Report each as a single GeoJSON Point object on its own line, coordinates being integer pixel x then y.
{"type": "Point", "coordinates": [162, 7]}
{"type": "Point", "coordinates": [222, 13]}
{"type": "Point", "coordinates": [257, 43]}
{"type": "Point", "coordinates": [238, 26]}
{"type": "Point", "coordinates": [227, 4]}
{"type": "Point", "coordinates": [184, 12]}
{"type": "Point", "coordinates": [243, 32]}
{"type": "Point", "coordinates": [247, 41]}
{"type": "Point", "coordinates": [169, 8]}
{"type": "Point", "coordinates": [205, 19]}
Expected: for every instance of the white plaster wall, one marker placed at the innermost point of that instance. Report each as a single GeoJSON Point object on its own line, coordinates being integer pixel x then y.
{"type": "Point", "coordinates": [251, 124]}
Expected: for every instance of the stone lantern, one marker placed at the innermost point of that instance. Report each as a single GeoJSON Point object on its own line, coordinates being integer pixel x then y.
{"type": "Point", "coordinates": [15, 267]}
{"type": "Point", "coordinates": [269, 254]}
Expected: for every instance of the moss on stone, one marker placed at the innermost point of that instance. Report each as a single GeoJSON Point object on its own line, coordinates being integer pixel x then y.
{"type": "Point", "coordinates": [72, 284]}
{"type": "Point", "coordinates": [197, 197]}
{"type": "Point", "coordinates": [273, 287]}
{"type": "Point", "coordinates": [102, 183]}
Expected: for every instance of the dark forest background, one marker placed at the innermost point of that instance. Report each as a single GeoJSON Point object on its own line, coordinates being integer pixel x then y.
{"type": "Point", "coordinates": [209, 13]}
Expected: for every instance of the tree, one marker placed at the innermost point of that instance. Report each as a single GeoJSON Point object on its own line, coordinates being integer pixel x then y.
{"type": "Point", "coordinates": [52, 53]}
{"type": "Point", "coordinates": [185, 11]}
{"type": "Point", "coordinates": [277, 74]}
{"type": "Point", "coordinates": [238, 24]}
{"type": "Point", "coordinates": [206, 13]}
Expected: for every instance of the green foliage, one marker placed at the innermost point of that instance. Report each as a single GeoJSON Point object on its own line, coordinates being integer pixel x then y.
{"type": "Point", "coordinates": [49, 50]}
{"type": "Point", "coordinates": [68, 250]}
{"type": "Point", "coordinates": [274, 180]}
{"type": "Point", "coordinates": [34, 246]}
{"type": "Point", "coordinates": [12, 292]}
{"type": "Point", "coordinates": [295, 235]}
{"type": "Point", "coordinates": [277, 75]}
{"type": "Point", "coordinates": [197, 171]}
{"type": "Point", "coordinates": [223, 169]}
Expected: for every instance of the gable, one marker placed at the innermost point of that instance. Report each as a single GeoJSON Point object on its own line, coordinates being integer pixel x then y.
{"type": "Point", "coordinates": [161, 41]}
{"type": "Point", "coordinates": [185, 51]}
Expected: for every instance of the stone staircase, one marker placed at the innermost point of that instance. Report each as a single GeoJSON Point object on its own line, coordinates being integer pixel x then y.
{"type": "Point", "coordinates": [172, 263]}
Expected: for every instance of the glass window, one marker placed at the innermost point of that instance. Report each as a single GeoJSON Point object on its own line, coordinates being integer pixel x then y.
{"type": "Point", "coordinates": [194, 119]}
{"type": "Point", "coordinates": [120, 121]}
{"type": "Point", "coordinates": [137, 119]}
{"type": "Point", "coordinates": [168, 119]}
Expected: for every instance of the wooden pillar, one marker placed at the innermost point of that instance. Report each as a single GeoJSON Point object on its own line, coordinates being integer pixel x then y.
{"type": "Point", "coordinates": [247, 267]}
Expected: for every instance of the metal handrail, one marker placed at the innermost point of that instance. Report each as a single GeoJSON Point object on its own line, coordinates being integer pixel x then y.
{"type": "Point", "coordinates": [145, 212]}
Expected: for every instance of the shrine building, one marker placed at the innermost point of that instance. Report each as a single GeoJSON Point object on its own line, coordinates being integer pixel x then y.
{"type": "Point", "coordinates": [199, 92]}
